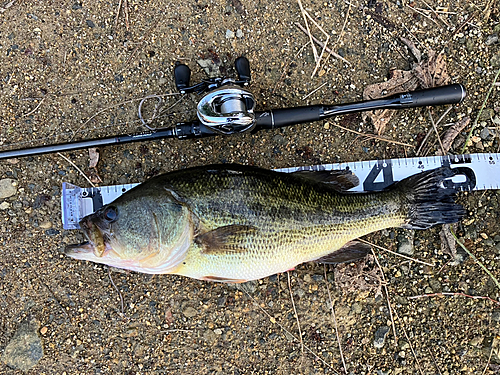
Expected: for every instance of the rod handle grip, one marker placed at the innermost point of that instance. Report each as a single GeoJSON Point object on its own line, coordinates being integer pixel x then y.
{"type": "Point", "coordinates": [450, 94]}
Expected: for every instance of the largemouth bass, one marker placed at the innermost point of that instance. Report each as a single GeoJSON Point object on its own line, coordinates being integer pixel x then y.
{"type": "Point", "coordinates": [232, 223]}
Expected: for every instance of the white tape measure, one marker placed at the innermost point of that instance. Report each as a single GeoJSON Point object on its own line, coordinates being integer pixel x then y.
{"type": "Point", "coordinates": [478, 172]}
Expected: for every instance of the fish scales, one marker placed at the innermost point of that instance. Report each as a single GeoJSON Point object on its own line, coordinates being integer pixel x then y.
{"type": "Point", "coordinates": [234, 223]}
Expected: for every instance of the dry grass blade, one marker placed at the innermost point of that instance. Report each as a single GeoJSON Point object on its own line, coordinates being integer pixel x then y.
{"type": "Point", "coordinates": [302, 10]}
{"type": "Point", "coordinates": [76, 167]}
{"type": "Point", "coordinates": [443, 294]}
{"type": "Point", "coordinates": [335, 321]}
{"type": "Point", "coordinates": [289, 333]}
{"type": "Point", "coordinates": [387, 296]}
{"type": "Point", "coordinates": [322, 45]}
{"type": "Point", "coordinates": [409, 343]}
{"type": "Point", "coordinates": [480, 111]}
{"type": "Point", "coordinates": [34, 110]}
{"type": "Point", "coordinates": [397, 254]}
{"type": "Point", "coordinates": [116, 288]}
{"type": "Point", "coordinates": [372, 136]}
{"type": "Point", "coordinates": [473, 257]}
{"type": "Point", "coordinates": [295, 312]}
{"type": "Point", "coordinates": [431, 129]}
{"type": "Point", "coordinates": [437, 132]}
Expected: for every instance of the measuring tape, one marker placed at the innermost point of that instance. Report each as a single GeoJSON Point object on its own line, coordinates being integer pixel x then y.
{"type": "Point", "coordinates": [477, 172]}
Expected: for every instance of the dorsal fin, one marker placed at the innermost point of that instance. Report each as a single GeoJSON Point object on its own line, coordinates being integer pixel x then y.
{"type": "Point", "coordinates": [341, 180]}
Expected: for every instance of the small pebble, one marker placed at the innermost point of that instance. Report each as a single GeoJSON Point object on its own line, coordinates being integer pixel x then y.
{"type": "Point", "coordinates": [7, 188]}
{"type": "Point", "coordinates": [46, 225]}
{"type": "Point", "coordinates": [229, 34]}
{"type": "Point", "coordinates": [380, 336]}
{"type": "Point", "coordinates": [25, 348]}
{"type": "Point", "coordinates": [190, 312]}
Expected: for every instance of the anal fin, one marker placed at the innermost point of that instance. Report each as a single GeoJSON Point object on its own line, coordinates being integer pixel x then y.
{"type": "Point", "coordinates": [350, 252]}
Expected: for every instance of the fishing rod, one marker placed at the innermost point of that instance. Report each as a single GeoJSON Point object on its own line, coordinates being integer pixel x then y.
{"type": "Point", "coordinates": [229, 108]}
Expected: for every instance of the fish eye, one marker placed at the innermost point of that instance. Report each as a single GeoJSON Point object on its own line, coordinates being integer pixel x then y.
{"type": "Point", "coordinates": [110, 214]}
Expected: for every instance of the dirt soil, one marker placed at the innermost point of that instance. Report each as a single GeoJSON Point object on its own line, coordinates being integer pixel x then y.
{"type": "Point", "coordinates": [70, 71]}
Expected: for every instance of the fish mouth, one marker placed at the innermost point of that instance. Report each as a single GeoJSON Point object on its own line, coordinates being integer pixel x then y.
{"type": "Point", "coordinates": [93, 246]}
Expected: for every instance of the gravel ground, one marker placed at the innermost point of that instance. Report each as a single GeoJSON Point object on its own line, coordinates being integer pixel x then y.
{"type": "Point", "coordinates": [68, 72]}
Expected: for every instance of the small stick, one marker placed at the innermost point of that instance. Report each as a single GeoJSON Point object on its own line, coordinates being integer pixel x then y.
{"type": "Point", "coordinates": [118, 290]}
{"type": "Point", "coordinates": [335, 321]}
{"type": "Point", "coordinates": [344, 25]}
{"type": "Point", "coordinates": [437, 15]}
{"type": "Point", "coordinates": [437, 133]}
{"type": "Point", "coordinates": [313, 91]}
{"type": "Point", "coordinates": [326, 43]}
{"type": "Point", "coordinates": [315, 52]}
{"type": "Point", "coordinates": [409, 343]}
{"type": "Point", "coordinates": [274, 321]}
{"type": "Point", "coordinates": [38, 106]}
{"type": "Point", "coordinates": [295, 311]}
{"type": "Point", "coordinates": [384, 285]}
{"type": "Point", "coordinates": [125, 7]}
{"type": "Point", "coordinates": [321, 44]}
{"type": "Point", "coordinates": [434, 361]}
{"type": "Point", "coordinates": [423, 14]}
{"type": "Point", "coordinates": [430, 130]}
{"type": "Point", "coordinates": [118, 13]}
{"type": "Point", "coordinates": [399, 255]}
{"type": "Point", "coordinates": [176, 330]}
{"type": "Point", "coordinates": [491, 352]}
{"type": "Point", "coordinates": [475, 259]}
{"type": "Point", "coordinates": [454, 294]}
{"type": "Point", "coordinates": [76, 167]}
{"type": "Point", "coordinates": [480, 111]}
{"type": "Point", "coordinates": [372, 136]}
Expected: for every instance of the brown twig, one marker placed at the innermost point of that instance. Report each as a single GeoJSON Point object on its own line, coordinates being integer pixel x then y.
{"type": "Point", "coordinates": [116, 288]}
{"type": "Point", "coordinates": [434, 361]}
{"type": "Point", "coordinates": [335, 321]}
{"type": "Point", "coordinates": [437, 132]}
{"type": "Point", "coordinates": [454, 294]}
{"type": "Point", "coordinates": [322, 45]}
{"type": "Point", "coordinates": [38, 106]}
{"type": "Point", "coordinates": [409, 343]}
{"type": "Point", "coordinates": [384, 285]}
{"type": "Point", "coordinates": [78, 169]}
{"type": "Point", "coordinates": [273, 320]}
{"type": "Point", "coordinates": [295, 311]}
{"type": "Point", "coordinates": [397, 254]}
{"type": "Point", "coordinates": [372, 136]}
{"type": "Point", "coordinates": [430, 130]}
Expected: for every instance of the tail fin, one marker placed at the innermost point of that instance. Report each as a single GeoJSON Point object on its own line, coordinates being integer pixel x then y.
{"type": "Point", "coordinates": [430, 202]}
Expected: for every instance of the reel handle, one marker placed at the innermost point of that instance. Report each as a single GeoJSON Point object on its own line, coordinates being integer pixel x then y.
{"type": "Point", "coordinates": [242, 66]}
{"type": "Point", "coordinates": [182, 75]}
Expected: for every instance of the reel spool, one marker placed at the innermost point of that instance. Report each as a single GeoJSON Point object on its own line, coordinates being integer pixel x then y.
{"type": "Point", "coordinates": [227, 108]}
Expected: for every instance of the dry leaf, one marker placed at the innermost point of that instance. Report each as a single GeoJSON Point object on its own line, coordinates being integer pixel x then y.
{"type": "Point", "coordinates": [92, 171]}
{"type": "Point", "coordinates": [452, 133]}
{"type": "Point", "coordinates": [401, 81]}
{"type": "Point", "coordinates": [413, 48]}
{"type": "Point", "coordinates": [426, 74]}
{"type": "Point", "coordinates": [94, 157]}
{"type": "Point", "coordinates": [360, 276]}
{"type": "Point", "coordinates": [432, 72]}
{"type": "Point", "coordinates": [448, 244]}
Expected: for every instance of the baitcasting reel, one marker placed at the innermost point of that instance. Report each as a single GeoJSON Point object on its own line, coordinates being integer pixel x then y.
{"type": "Point", "coordinates": [228, 108]}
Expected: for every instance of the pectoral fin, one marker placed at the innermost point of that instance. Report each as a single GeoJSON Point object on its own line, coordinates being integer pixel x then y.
{"type": "Point", "coordinates": [230, 238]}
{"type": "Point", "coordinates": [350, 252]}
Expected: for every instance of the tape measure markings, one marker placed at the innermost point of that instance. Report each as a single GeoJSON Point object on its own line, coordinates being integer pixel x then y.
{"type": "Point", "coordinates": [477, 172]}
